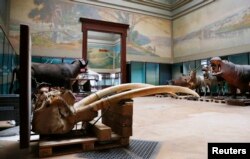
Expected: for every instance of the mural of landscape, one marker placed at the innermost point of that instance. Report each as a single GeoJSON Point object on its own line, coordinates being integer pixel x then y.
{"type": "Point", "coordinates": [231, 29]}
{"type": "Point", "coordinates": [103, 57]}
{"type": "Point", "coordinates": [56, 30]}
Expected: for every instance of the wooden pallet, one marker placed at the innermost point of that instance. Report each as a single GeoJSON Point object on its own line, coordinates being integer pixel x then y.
{"type": "Point", "coordinates": [68, 146]}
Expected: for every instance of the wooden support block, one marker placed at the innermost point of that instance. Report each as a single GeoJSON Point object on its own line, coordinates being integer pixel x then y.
{"type": "Point", "coordinates": [88, 146]}
{"type": "Point", "coordinates": [102, 131]}
{"type": "Point", "coordinates": [122, 128]}
{"type": "Point", "coordinates": [45, 152]}
{"type": "Point", "coordinates": [120, 118]}
{"type": "Point", "coordinates": [121, 108]}
{"type": "Point", "coordinates": [123, 131]}
{"type": "Point", "coordinates": [124, 141]}
{"type": "Point", "coordinates": [109, 118]}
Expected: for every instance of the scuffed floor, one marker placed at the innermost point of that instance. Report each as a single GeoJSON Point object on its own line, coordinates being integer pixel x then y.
{"type": "Point", "coordinates": [185, 127]}
{"type": "Point", "coordinates": [181, 127]}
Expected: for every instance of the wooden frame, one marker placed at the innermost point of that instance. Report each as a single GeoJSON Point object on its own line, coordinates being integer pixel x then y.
{"type": "Point", "coordinates": [25, 86]}
{"type": "Point", "coordinates": [109, 27]}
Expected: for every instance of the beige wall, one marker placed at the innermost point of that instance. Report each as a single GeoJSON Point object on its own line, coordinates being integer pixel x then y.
{"type": "Point", "coordinates": [220, 28]}
{"type": "Point", "coordinates": [56, 30]}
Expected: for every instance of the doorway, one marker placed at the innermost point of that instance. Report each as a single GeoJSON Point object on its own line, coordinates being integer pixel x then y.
{"type": "Point", "coordinates": [90, 28]}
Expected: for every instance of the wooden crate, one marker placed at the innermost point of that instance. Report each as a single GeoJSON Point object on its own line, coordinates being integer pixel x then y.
{"type": "Point", "coordinates": [120, 118]}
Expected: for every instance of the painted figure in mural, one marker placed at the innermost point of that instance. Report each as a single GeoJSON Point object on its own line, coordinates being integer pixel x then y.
{"type": "Point", "coordinates": [237, 76]}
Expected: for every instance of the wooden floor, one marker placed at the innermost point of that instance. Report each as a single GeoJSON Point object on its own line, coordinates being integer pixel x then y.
{"type": "Point", "coordinates": [183, 127]}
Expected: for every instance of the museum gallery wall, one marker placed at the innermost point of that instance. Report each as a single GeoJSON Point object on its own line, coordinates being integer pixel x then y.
{"type": "Point", "coordinates": [221, 28]}
{"type": "Point", "coordinates": [56, 30]}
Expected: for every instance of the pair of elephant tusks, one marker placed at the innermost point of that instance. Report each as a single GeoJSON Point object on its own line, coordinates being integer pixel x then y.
{"type": "Point", "coordinates": [58, 116]}
{"type": "Point", "coordinates": [114, 99]}
{"type": "Point", "coordinates": [109, 91]}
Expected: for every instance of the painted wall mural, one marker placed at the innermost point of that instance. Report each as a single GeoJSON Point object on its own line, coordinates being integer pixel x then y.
{"type": "Point", "coordinates": [104, 57]}
{"type": "Point", "coordinates": [56, 30]}
{"type": "Point", "coordinates": [3, 12]}
{"type": "Point", "coordinates": [216, 27]}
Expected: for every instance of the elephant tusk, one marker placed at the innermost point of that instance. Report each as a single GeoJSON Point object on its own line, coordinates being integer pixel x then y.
{"type": "Point", "coordinates": [100, 104]}
{"type": "Point", "coordinates": [58, 117]}
{"type": "Point", "coordinates": [109, 91]}
{"type": "Point", "coordinates": [50, 109]}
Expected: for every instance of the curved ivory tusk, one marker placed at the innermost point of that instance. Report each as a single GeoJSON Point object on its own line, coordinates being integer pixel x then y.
{"type": "Point", "coordinates": [100, 104]}
{"type": "Point", "coordinates": [217, 73]}
{"type": "Point", "coordinates": [109, 91]}
{"type": "Point", "coordinates": [57, 117]}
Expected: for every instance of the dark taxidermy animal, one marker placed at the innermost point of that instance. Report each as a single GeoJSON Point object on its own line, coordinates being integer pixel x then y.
{"type": "Point", "coordinates": [237, 76]}
{"type": "Point", "coordinates": [55, 75]}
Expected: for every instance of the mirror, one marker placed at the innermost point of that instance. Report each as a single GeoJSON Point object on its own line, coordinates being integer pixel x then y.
{"type": "Point", "coordinates": [92, 26]}
{"type": "Point", "coordinates": [104, 57]}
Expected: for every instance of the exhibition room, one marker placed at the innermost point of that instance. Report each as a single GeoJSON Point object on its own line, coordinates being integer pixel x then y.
{"type": "Point", "coordinates": [127, 79]}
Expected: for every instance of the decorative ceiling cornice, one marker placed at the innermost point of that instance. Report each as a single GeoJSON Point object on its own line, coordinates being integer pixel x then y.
{"type": "Point", "coordinates": [161, 5]}
{"type": "Point", "coordinates": [168, 10]}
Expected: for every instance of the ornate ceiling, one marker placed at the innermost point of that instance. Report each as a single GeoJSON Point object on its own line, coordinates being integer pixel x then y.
{"type": "Point", "coordinates": [169, 9]}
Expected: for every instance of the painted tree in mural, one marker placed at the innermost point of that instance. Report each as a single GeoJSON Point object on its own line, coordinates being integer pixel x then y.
{"type": "Point", "coordinates": [54, 17]}
{"type": "Point", "coordinates": [134, 36]}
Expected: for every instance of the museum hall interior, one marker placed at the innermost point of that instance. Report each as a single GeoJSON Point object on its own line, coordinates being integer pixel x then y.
{"type": "Point", "coordinates": [124, 79]}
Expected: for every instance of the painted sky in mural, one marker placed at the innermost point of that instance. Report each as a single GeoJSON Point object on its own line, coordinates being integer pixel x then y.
{"type": "Point", "coordinates": [228, 29]}
{"type": "Point", "coordinates": [56, 30]}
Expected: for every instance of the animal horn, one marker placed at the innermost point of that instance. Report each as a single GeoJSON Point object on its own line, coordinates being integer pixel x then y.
{"type": "Point", "coordinates": [197, 67]}
{"type": "Point", "coordinates": [56, 116]}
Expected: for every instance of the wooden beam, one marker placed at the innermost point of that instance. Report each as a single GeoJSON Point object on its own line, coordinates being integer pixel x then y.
{"type": "Point", "coordinates": [108, 27]}
{"type": "Point", "coordinates": [25, 86]}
